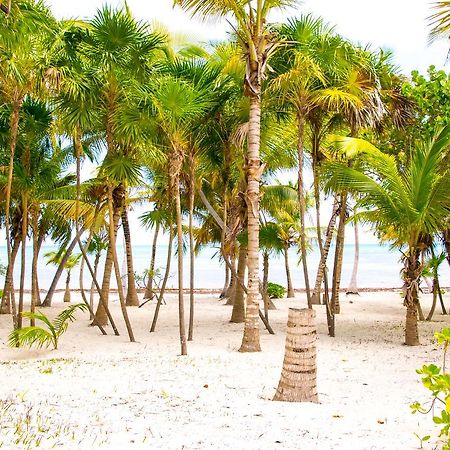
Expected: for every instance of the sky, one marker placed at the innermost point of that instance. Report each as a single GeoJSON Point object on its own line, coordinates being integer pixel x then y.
{"type": "Point", "coordinates": [399, 25]}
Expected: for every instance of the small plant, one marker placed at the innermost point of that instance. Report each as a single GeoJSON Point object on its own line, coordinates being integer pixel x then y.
{"type": "Point", "coordinates": [275, 290]}
{"type": "Point", "coordinates": [47, 335]}
{"type": "Point", "coordinates": [437, 381]}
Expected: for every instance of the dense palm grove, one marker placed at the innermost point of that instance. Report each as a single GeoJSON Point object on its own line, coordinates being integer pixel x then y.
{"type": "Point", "coordinates": [200, 133]}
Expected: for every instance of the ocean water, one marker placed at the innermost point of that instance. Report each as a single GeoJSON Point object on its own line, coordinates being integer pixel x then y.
{"type": "Point", "coordinates": [379, 267]}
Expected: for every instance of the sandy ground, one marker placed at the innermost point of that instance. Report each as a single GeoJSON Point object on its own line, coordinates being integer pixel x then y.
{"type": "Point", "coordinates": [104, 392]}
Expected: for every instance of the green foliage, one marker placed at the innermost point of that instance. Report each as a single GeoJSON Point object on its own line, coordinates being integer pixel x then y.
{"type": "Point", "coordinates": [49, 334]}
{"type": "Point", "coordinates": [275, 290]}
{"type": "Point", "coordinates": [437, 381]}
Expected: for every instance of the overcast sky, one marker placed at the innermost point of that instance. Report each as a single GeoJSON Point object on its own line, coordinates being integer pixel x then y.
{"type": "Point", "coordinates": [399, 25]}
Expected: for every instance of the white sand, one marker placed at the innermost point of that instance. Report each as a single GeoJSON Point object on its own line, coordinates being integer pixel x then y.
{"type": "Point", "coordinates": [104, 392]}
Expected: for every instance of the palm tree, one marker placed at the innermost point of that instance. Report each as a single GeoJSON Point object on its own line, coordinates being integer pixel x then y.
{"type": "Point", "coordinates": [258, 44]}
{"type": "Point", "coordinates": [440, 20]}
{"type": "Point", "coordinates": [405, 203]}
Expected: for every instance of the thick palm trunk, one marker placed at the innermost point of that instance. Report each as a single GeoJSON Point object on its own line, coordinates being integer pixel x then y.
{"type": "Point", "coordinates": [324, 254]}
{"type": "Point", "coordinates": [151, 272]}
{"type": "Point", "coordinates": [238, 313]}
{"type": "Point", "coordinates": [14, 127]}
{"type": "Point", "coordinates": [339, 256]}
{"type": "Point", "coordinates": [353, 286]}
{"type": "Point", "coordinates": [23, 258]}
{"type": "Point", "coordinates": [250, 340]}
{"type": "Point", "coordinates": [412, 271]}
{"type": "Point", "coordinates": [67, 290]}
{"type": "Point", "coordinates": [165, 279]}
{"type": "Point", "coordinates": [191, 246]}
{"type": "Point", "coordinates": [290, 288]}
{"type": "Point", "coordinates": [298, 381]}
{"type": "Point", "coordinates": [48, 298]}
{"type": "Point", "coordinates": [8, 289]}
{"type": "Point", "coordinates": [302, 207]}
{"type": "Point", "coordinates": [132, 297]}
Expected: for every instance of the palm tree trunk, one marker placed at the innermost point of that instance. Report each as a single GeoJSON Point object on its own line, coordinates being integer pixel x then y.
{"type": "Point", "coordinates": [132, 297]}
{"type": "Point", "coordinates": [226, 281]}
{"type": "Point", "coordinates": [180, 270]}
{"type": "Point", "coordinates": [34, 263]}
{"type": "Point", "coordinates": [8, 289]}
{"type": "Point", "coordinates": [238, 313]}
{"type": "Point", "coordinates": [23, 258]}
{"type": "Point", "coordinates": [302, 207]}
{"type": "Point", "coordinates": [290, 288]}
{"type": "Point", "coordinates": [91, 295]}
{"type": "Point", "coordinates": [412, 271]}
{"type": "Point", "coordinates": [231, 291]}
{"type": "Point", "coordinates": [265, 284]}
{"type": "Point", "coordinates": [298, 382]}
{"type": "Point", "coordinates": [67, 291]}
{"type": "Point", "coordinates": [435, 296]}
{"type": "Point", "coordinates": [353, 286]}
{"type": "Point", "coordinates": [166, 277]}
{"type": "Point", "coordinates": [339, 256]}
{"type": "Point", "coordinates": [151, 273]}
{"type": "Point", "coordinates": [191, 245]}
{"type": "Point", "coordinates": [324, 254]}
{"type": "Point", "coordinates": [14, 127]}
{"type": "Point", "coordinates": [250, 339]}
{"type": "Point", "coordinates": [100, 315]}
{"type": "Point", "coordinates": [48, 298]}
{"type": "Point", "coordinates": [112, 238]}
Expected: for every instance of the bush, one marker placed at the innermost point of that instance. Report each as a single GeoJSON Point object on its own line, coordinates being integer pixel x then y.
{"type": "Point", "coordinates": [437, 381]}
{"type": "Point", "coordinates": [275, 290]}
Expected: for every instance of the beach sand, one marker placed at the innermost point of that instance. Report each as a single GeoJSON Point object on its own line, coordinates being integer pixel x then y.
{"type": "Point", "coordinates": [104, 392]}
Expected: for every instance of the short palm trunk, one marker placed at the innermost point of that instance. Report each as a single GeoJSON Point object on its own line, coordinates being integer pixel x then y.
{"type": "Point", "coordinates": [298, 381]}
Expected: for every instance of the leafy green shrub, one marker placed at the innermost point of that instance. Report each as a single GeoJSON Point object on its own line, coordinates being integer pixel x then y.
{"type": "Point", "coordinates": [437, 381]}
{"type": "Point", "coordinates": [275, 290]}
{"type": "Point", "coordinates": [47, 335]}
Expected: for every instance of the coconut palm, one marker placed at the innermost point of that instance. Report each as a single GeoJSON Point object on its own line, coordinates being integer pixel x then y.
{"type": "Point", "coordinates": [258, 44]}
{"type": "Point", "coordinates": [404, 203]}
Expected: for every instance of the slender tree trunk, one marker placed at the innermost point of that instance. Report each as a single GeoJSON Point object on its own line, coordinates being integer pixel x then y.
{"type": "Point", "coordinates": [166, 277]}
{"type": "Point", "coordinates": [435, 296]}
{"type": "Point", "coordinates": [226, 282]}
{"type": "Point", "coordinates": [250, 340]}
{"type": "Point", "coordinates": [353, 286]}
{"type": "Point", "coordinates": [151, 273]}
{"type": "Point", "coordinates": [290, 288]}
{"type": "Point", "coordinates": [298, 381]}
{"type": "Point", "coordinates": [67, 291]}
{"type": "Point", "coordinates": [100, 315]}
{"type": "Point", "coordinates": [265, 284]}
{"type": "Point", "coordinates": [180, 271]}
{"type": "Point", "coordinates": [412, 271]}
{"type": "Point", "coordinates": [91, 295]}
{"type": "Point", "coordinates": [8, 286]}
{"type": "Point", "coordinates": [191, 246]}
{"type": "Point", "coordinates": [339, 256]}
{"type": "Point", "coordinates": [48, 298]}
{"type": "Point", "coordinates": [35, 297]}
{"type": "Point", "coordinates": [132, 297]}
{"type": "Point", "coordinates": [238, 313]}
{"type": "Point", "coordinates": [23, 258]}
{"type": "Point", "coordinates": [112, 238]}
{"type": "Point", "coordinates": [302, 207]}
{"type": "Point", "coordinates": [14, 127]}
{"type": "Point", "coordinates": [324, 254]}
{"type": "Point", "coordinates": [231, 291]}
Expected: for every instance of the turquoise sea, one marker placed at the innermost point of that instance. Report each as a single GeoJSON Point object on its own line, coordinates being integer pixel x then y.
{"type": "Point", "coordinates": [379, 267]}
